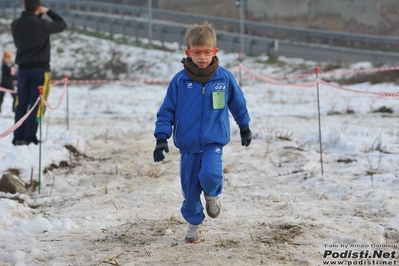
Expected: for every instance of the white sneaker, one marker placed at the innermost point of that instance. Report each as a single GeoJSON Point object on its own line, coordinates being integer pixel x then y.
{"type": "Point", "coordinates": [213, 206]}
{"type": "Point", "coordinates": [193, 234]}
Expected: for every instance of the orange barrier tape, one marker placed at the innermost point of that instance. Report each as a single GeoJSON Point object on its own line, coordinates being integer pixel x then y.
{"type": "Point", "coordinates": [320, 81]}
{"type": "Point", "coordinates": [248, 70]}
{"type": "Point", "coordinates": [7, 90]}
{"type": "Point", "coordinates": [273, 81]}
{"type": "Point", "coordinates": [382, 94]}
{"type": "Point", "coordinates": [109, 81]}
{"type": "Point", "coordinates": [340, 72]}
{"type": "Point", "coordinates": [19, 123]}
{"type": "Point", "coordinates": [61, 97]}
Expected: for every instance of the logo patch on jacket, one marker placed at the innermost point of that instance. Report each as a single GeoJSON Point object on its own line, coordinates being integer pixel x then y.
{"type": "Point", "coordinates": [189, 85]}
{"type": "Point", "coordinates": [220, 87]}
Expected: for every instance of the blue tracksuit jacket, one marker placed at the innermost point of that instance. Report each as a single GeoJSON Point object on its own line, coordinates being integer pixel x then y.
{"type": "Point", "coordinates": [199, 113]}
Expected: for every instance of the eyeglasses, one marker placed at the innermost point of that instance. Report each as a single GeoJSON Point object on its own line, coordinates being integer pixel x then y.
{"type": "Point", "coordinates": [206, 52]}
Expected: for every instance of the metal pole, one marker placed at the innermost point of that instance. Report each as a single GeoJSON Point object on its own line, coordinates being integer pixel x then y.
{"type": "Point", "coordinates": [67, 109]}
{"type": "Point", "coordinates": [67, 101]}
{"type": "Point", "coordinates": [242, 26]}
{"type": "Point", "coordinates": [239, 73]}
{"type": "Point", "coordinates": [40, 154]}
{"type": "Point", "coordinates": [41, 103]}
{"type": "Point", "coordinates": [150, 23]}
{"type": "Point", "coordinates": [317, 69]}
{"type": "Point", "coordinates": [310, 13]}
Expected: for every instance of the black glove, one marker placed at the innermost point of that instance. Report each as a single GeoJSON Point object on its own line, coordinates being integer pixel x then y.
{"type": "Point", "coordinates": [162, 145]}
{"type": "Point", "coordinates": [246, 137]}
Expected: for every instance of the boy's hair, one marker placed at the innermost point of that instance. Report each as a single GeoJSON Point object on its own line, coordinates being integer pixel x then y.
{"type": "Point", "coordinates": [32, 5]}
{"type": "Point", "coordinates": [201, 35]}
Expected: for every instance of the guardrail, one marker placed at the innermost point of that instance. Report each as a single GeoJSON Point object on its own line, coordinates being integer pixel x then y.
{"type": "Point", "coordinates": [162, 31]}
{"type": "Point", "coordinates": [129, 21]}
{"type": "Point", "coordinates": [170, 26]}
{"type": "Point", "coordinates": [342, 39]}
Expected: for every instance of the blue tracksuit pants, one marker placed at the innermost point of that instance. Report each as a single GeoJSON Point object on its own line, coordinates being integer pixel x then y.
{"type": "Point", "coordinates": [200, 172]}
{"type": "Point", "coordinates": [28, 82]}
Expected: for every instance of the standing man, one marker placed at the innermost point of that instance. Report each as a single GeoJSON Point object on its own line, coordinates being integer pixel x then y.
{"type": "Point", "coordinates": [31, 36]}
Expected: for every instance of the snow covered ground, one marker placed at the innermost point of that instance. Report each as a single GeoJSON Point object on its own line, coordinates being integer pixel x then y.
{"type": "Point", "coordinates": [108, 203]}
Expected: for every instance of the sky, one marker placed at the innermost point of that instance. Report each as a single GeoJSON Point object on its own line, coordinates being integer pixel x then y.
{"type": "Point", "coordinates": [283, 202]}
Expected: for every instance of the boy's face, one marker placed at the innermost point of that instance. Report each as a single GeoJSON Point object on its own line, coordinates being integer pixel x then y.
{"type": "Point", "coordinates": [201, 55]}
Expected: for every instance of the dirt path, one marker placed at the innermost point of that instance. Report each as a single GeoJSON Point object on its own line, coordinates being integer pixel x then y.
{"type": "Point", "coordinates": [277, 208]}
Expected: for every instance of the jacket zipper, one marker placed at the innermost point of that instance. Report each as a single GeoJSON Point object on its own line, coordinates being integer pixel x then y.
{"type": "Point", "coordinates": [202, 111]}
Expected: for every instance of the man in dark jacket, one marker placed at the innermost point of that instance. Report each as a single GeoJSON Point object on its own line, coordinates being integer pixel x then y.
{"type": "Point", "coordinates": [31, 36]}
